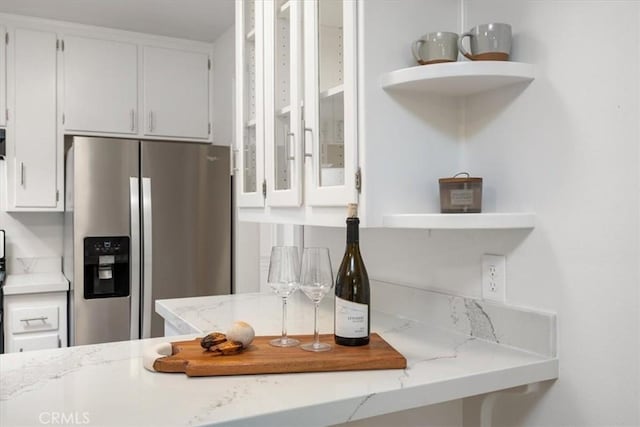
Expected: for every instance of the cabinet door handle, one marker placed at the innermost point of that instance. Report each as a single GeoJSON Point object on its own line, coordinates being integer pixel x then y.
{"type": "Point", "coordinates": [147, 257]}
{"type": "Point", "coordinates": [150, 121]}
{"type": "Point", "coordinates": [134, 255]}
{"type": "Point", "coordinates": [305, 141]}
{"type": "Point", "coordinates": [236, 153]}
{"type": "Point", "coordinates": [288, 146]}
{"type": "Point", "coordinates": [133, 120]}
{"type": "Point", "coordinates": [43, 319]}
{"type": "Point", "coordinates": [22, 174]}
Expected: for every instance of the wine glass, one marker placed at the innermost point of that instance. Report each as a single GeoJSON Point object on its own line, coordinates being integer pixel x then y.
{"type": "Point", "coordinates": [316, 281]}
{"type": "Point", "coordinates": [284, 275]}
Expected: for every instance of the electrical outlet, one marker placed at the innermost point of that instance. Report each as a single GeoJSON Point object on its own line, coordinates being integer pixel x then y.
{"type": "Point", "coordinates": [494, 277]}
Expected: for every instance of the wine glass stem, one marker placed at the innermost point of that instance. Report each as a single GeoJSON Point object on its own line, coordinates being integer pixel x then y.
{"type": "Point", "coordinates": [316, 332]}
{"type": "Point", "coordinates": [284, 319]}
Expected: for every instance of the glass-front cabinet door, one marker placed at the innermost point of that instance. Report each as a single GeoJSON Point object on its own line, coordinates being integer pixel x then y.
{"type": "Point", "coordinates": [330, 131]}
{"type": "Point", "coordinates": [283, 98]}
{"type": "Point", "coordinates": [250, 103]}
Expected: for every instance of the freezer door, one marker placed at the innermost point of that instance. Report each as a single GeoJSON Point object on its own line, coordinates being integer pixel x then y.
{"type": "Point", "coordinates": [99, 200]}
{"type": "Point", "coordinates": [186, 215]}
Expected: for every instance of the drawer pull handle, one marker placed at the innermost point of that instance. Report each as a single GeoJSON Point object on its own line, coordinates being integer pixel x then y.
{"type": "Point", "coordinates": [43, 319]}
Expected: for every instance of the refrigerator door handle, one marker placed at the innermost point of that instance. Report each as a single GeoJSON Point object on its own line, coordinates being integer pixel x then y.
{"type": "Point", "coordinates": [134, 218]}
{"type": "Point", "coordinates": [147, 266]}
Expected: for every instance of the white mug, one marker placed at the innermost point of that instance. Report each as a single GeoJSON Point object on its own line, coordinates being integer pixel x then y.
{"type": "Point", "coordinates": [436, 47]}
{"type": "Point", "coordinates": [488, 42]}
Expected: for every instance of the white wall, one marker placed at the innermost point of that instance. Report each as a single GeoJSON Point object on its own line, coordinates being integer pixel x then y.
{"type": "Point", "coordinates": [567, 147]}
{"type": "Point", "coordinates": [31, 235]}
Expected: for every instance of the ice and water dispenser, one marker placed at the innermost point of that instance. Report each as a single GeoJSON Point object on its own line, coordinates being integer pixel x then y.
{"type": "Point", "coordinates": [106, 267]}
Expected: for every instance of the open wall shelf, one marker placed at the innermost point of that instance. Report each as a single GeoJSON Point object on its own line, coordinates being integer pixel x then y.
{"type": "Point", "coordinates": [474, 221]}
{"type": "Point", "coordinates": [458, 78]}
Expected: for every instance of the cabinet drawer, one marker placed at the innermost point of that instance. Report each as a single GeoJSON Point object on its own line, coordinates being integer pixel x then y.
{"type": "Point", "coordinates": [33, 319]}
{"type": "Point", "coordinates": [23, 343]}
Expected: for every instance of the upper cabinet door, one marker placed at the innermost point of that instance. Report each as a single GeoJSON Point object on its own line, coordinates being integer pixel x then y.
{"type": "Point", "coordinates": [283, 99]}
{"type": "Point", "coordinates": [100, 85]}
{"type": "Point", "coordinates": [3, 75]}
{"type": "Point", "coordinates": [250, 103]}
{"type": "Point", "coordinates": [176, 93]}
{"type": "Point", "coordinates": [330, 102]}
{"type": "Point", "coordinates": [32, 81]}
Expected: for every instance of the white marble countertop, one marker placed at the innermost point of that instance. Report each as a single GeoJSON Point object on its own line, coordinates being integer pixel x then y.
{"type": "Point", "coordinates": [32, 283]}
{"type": "Point", "coordinates": [106, 384]}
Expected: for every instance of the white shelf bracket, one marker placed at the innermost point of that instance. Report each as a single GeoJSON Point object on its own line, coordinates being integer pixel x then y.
{"type": "Point", "coordinates": [489, 401]}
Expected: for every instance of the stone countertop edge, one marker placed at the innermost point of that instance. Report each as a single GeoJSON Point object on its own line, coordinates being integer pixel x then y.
{"type": "Point", "coordinates": [442, 364]}
{"type": "Point", "coordinates": [32, 283]}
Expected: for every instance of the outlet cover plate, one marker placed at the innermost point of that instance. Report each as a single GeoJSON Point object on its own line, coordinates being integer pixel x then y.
{"type": "Point", "coordinates": [494, 277]}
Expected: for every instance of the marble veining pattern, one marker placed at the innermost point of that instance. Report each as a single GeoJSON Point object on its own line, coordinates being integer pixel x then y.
{"type": "Point", "coordinates": [360, 405]}
{"type": "Point", "coordinates": [34, 370]}
{"type": "Point", "coordinates": [481, 325]}
{"type": "Point", "coordinates": [442, 364]}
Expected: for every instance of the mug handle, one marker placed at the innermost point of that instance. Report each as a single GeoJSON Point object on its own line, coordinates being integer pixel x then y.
{"type": "Point", "coordinates": [415, 47]}
{"type": "Point", "coordinates": [461, 48]}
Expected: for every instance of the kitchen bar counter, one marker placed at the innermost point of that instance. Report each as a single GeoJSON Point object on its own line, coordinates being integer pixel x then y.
{"type": "Point", "coordinates": [106, 384]}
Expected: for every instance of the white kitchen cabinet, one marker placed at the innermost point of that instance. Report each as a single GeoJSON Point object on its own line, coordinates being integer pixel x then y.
{"type": "Point", "coordinates": [4, 38]}
{"type": "Point", "coordinates": [35, 311]}
{"type": "Point", "coordinates": [176, 93]}
{"type": "Point", "coordinates": [34, 163]}
{"type": "Point", "coordinates": [377, 129]}
{"type": "Point", "coordinates": [284, 158]}
{"type": "Point", "coordinates": [32, 342]}
{"type": "Point", "coordinates": [251, 187]}
{"type": "Point", "coordinates": [309, 92]}
{"type": "Point", "coordinates": [100, 85]}
{"type": "Point", "coordinates": [34, 322]}
{"type": "Point", "coordinates": [331, 140]}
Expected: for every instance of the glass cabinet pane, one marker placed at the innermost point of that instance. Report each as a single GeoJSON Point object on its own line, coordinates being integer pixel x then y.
{"type": "Point", "coordinates": [331, 90]}
{"type": "Point", "coordinates": [249, 147]}
{"type": "Point", "coordinates": [249, 153]}
{"type": "Point", "coordinates": [282, 98]}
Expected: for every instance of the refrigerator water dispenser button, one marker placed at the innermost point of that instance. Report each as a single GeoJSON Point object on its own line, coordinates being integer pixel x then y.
{"type": "Point", "coordinates": [105, 273]}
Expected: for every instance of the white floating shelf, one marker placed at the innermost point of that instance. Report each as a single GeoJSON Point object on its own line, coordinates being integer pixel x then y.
{"type": "Point", "coordinates": [251, 123]}
{"type": "Point", "coordinates": [332, 91]}
{"type": "Point", "coordinates": [458, 78]}
{"type": "Point", "coordinates": [251, 34]}
{"type": "Point", "coordinates": [472, 221]}
{"type": "Point", "coordinates": [284, 110]}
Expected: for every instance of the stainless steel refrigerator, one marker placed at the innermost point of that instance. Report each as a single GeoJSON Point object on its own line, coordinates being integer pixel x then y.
{"type": "Point", "coordinates": [144, 220]}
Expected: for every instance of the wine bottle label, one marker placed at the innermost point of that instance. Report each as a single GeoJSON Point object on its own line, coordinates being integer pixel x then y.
{"type": "Point", "coordinates": [352, 319]}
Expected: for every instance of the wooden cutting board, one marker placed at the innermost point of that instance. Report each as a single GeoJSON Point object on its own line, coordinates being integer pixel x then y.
{"type": "Point", "coordinates": [262, 358]}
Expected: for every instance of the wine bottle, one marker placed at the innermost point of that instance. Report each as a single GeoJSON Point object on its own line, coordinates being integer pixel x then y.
{"type": "Point", "coordinates": [352, 314]}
